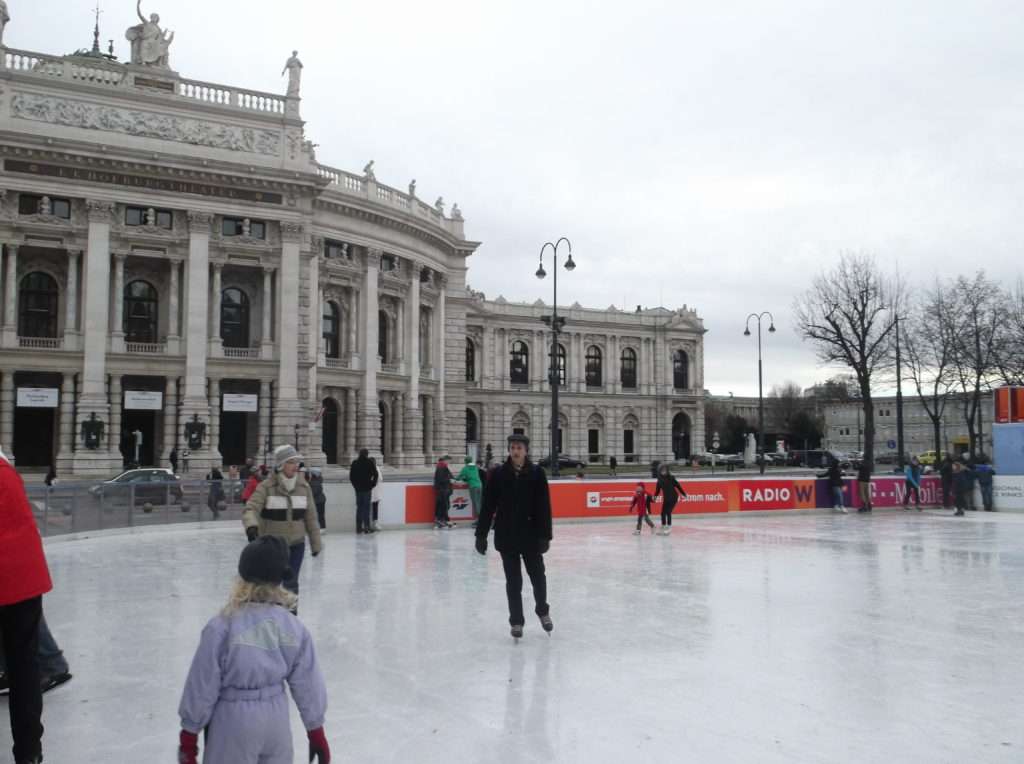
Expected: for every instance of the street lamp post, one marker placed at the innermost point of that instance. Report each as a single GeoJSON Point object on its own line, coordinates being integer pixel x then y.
{"type": "Point", "coordinates": [899, 398]}
{"type": "Point", "coordinates": [556, 323]}
{"type": "Point", "coordinates": [760, 376]}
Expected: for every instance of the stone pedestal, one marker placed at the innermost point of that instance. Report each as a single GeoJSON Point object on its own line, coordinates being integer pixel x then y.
{"type": "Point", "coordinates": [105, 461]}
{"type": "Point", "coordinates": [202, 459]}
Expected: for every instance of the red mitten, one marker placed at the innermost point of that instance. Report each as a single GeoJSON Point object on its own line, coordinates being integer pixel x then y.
{"type": "Point", "coordinates": [188, 748]}
{"type": "Point", "coordinates": [318, 748]}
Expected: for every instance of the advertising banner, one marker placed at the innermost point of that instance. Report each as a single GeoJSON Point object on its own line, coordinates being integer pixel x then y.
{"type": "Point", "coordinates": [143, 400]}
{"type": "Point", "coordinates": [38, 397]}
{"type": "Point", "coordinates": [240, 402]}
{"type": "Point", "coordinates": [763, 495]}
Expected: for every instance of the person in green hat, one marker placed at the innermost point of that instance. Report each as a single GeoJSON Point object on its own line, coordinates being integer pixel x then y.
{"type": "Point", "coordinates": [470, 475]}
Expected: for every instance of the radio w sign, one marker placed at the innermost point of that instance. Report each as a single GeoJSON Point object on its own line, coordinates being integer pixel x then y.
{"type": "Point", "coordinates": [777, 494]}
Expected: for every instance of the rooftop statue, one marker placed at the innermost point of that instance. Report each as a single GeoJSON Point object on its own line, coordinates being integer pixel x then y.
{"type": "Point", "coordinates": [150, 43]}
{"type": "Point", "coordinates": [4, 18]}
{"type": "Point", "coordinates": [294, 68]}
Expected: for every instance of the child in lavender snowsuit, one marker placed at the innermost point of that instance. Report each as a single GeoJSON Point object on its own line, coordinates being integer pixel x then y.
{"type": "Point", "coordinates": [236, 687]}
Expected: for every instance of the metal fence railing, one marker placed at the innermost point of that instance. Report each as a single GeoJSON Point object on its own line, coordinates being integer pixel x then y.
{"type": "Point", "coordinates": [78, 507]}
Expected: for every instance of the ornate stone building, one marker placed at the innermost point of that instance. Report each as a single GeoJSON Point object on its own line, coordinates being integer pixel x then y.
{"type": "Point", "coordinates": [179, 272]}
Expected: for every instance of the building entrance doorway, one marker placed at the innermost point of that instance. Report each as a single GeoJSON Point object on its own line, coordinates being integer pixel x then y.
{"type": "Point", "coordinates": [681, 437]}
{"type": "Point", "coordinates": [34, 437]}
{"type": "Point", "coordinates": [138, 438]}
{"type": "Point", "coordinates": [234, 435]}
{"type": "Point", "coordinates": [329, 425]}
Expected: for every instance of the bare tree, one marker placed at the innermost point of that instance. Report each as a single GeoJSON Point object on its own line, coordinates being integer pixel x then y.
{"type": "Point", "coordinates": [787, 401]}
{"type": "Point", "coordinates": [1010, 352]}
{"type": "Point", "coordinates": [848, 315]}
{"type": "Point", "coordinates": [930, 353]}
{"type": "Point", "coordinates": [978, 311]}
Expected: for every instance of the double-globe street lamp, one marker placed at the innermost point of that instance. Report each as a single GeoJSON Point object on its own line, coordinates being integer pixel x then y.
{"type": "Point", "coordinates": [556, 323]}
{"type": "Point", "coordinates": [760, 378]}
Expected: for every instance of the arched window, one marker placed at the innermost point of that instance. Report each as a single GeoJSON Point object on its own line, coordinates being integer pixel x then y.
{"type": "Point", "coordinates": [332, 330]}
{"type": "Point", "coordinates": [519, 364]}
{"type": "Point", "coordinates": [234, 318]}
{"type": "Point", "coordinates": [470, 360]}
{"type": "Point", "coordinates": [37, 306]}
{"type": "Point", "coordinates": [140, 312]}
{"type": "Point", "coordinates": [472, 436]}
{"type": "Point", "coordinates": [382, 335]}
{"type": "Point", "coordinates": [629, 369]}
{"type": "Point", "coordinates": [680, 370]}
{"type": "Point", "coordinates": [594, 371]}
{"type": "Point", "coordinates": [560, 366]}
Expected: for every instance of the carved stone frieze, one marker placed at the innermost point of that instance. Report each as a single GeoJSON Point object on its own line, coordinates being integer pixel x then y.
{"type": "Point", "coordinates": [291, 232]}
{"type": "Point", "coordinates": [99, 212]}
{"type": "Point", "coordinates": [144, 124]}
{"type": "Point", "coordinates": [200, 222]}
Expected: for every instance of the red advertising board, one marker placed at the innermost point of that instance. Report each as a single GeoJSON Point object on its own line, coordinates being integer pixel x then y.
{"type": "Point", "coordinates": [776, 494]}
{"type": "Point", "coordinates": [1002, 415]}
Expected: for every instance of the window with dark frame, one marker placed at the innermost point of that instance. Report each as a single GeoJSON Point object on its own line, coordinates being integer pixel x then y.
{"type": "Point", "coordinates": [29, 204]}
{"type": "Point", "coordinates": [137, 216]}
{"type": "Point", "coordinates": [594, 370]}
{"type": "Point", "coordinates": [141, 309]}
{"type": "Point", "coordinates": [332, 330]}
{"type": "Point", "coordinates": [628, 376]}
{"type": "Point", "coordinates": [519, 364]}
{"type": "Point", "coordinates": [470, 361]}
{"type": "Point", "coordinates": [37, 306]}
{"type": "Point", "coordinates": [680, 370]}
{"type": "Point", "coordinates": [234, 318]}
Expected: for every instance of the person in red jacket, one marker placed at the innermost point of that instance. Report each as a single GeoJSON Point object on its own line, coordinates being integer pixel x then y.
{"type": "Point", "coordinates": [641, 504]}
{"type": "Point", "coordinates": [24, 579]}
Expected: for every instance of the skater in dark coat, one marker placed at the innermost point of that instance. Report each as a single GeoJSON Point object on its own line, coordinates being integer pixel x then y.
{"type": "Point", "coordinates": [518, 502]}
{"type": "Point", "coordinates": [670, 488]}
{"type": "Point", "coordinates": [963, 484]}
{"type": "Point", "coordinates": [946, 471]}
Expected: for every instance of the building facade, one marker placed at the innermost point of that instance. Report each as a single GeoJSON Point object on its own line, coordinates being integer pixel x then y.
{"type": "Point", "coordinates": [179, 272]}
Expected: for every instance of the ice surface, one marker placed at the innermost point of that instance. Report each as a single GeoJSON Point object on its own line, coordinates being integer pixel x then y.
{"type": "Point", "coordinates": [812, 638]}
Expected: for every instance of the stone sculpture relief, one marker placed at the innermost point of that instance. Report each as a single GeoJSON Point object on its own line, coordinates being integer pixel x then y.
{"type": "Point", "coordinates": [150, 43]}
{"type": "Point", "coordinates": [294, 68]}
{"type": "Point", "coordinates": [4, 18]}
{"type": "Point", "coordinates": [70, 113]}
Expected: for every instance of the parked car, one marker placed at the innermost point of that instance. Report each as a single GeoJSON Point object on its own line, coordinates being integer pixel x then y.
{"type": "Point", "coordinates": [153, 485]}
{"type": "Point", "coordinates": [928, 458]}
{"type": "Point", "coordinates": [889, 458]}
{"type": "Point", "coordinates": [564, 463]}
{"type": "Point", "coordinates": [734, 459]}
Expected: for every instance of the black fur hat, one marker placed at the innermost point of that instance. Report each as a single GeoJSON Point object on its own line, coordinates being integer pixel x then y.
{"type": "Point", "coordinates": [265, 561]}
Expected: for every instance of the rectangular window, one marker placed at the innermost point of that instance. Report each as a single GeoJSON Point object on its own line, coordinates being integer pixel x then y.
{"type": "Point", "coordinates": [258, 229]}
{"type": "Point", "coordinates": [61, 208]}
{"type": "Point", "coordinates": [32, 204]}
{"type": "Point", "coordinates": [28, 204]}
{"type": "Point", "coordinates": [254, 229]}
{"type": "Point", "coordinates": [134, 216]}
{"type": "Point", "coordinates": [594, 444]}
{"type": "Point", "coordinates": [334, 249]}
{"type": "Point", "coordinates": [627, 442]}
{"type": "Point", "coordinates": [231, 227]}
{"type": "Point", "coordinates": [137, 216]}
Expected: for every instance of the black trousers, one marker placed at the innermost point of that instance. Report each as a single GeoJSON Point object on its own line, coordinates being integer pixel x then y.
{"type": "Point", "coordinates": [641, 518]}
{"type": "Point", "coordinates": [19, 625]}
{"type": "Point", "coordinates": [947, 491]}
{"type": "Point", "coordinates": [666, 512]}
{"type": "Point", "coordinates": [912, 489]}
{"type": "Point", "coordinates": [514, 584]}
{"type": "Point", "coordinates": [441, 499]}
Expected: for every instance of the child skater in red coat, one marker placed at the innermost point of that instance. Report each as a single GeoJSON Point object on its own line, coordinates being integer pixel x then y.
{"type": "Point", "coordinates": [641, 504]}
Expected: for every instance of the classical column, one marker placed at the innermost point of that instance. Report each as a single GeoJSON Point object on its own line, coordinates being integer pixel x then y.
{"type": "Point", "coordinates": [116, 405]}
{"type": "Point", "coordinates": [613, 367]}
{"type": "Point", "coordinates": [7, 411]}
{"type": "Point", "coordinates": [215, 416]}
{"type": "Point", "coordinates": [268, 314]}
{"type": "Point", "coordinates": [66, 430]}
{"type": "Point", "coordinates": [661, 381]}
{"type": "Point", "coordinates": [315, 310]}
{"type": "Point", "coordinates": [397, 433]}
{"type": "Point", "coordinates": [414, 421]}
{"type": "Point", "coordinates": [10, 327]}
{"type": "Point", "coordinates": [353, 324]}
{"type": "Point", "coordinates": [441, 364]}
{"type": "Point", "coordinates": [350, 423]}
{"type": "Point", "coordinates": [117, 298]}
{"type": "Point", "coordinates": [487, 357]}
{"type": "Point", "coordinates": [287, 407]}
{"type": "Point", "coordinates": [170, 419]}
{"type": "Point", "coordinates": [197, 293]}
{"type": "Point", "coordinates": [173, 321]}
{"type": "Point", "coordinates": [95, 332]}
{"type": "Point", "coordinates": [264, 406]}
{"type": "Point", "coordinates": [369, 415]}
{"type": "Point", "coordinates": [216, 345]}
{"type": "Point", "coordinates": [71, 302]}
{"type": "Point", "coordinates": [428, 429]}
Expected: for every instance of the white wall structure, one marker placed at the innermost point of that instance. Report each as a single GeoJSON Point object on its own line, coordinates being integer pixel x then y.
{"type": "Point", "coordinates": [170, 236]}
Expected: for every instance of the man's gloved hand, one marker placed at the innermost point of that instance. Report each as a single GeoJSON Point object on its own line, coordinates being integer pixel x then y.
{"type": "Point", "coordinates": [481, 544]}
{"type": "Point", "coordinates": [544, 545]}
{"type": "Point", "coordinates": [318, 748]}
{"type": "Point", "coordinates": [188, 748]}
{"type": "Point", "coordinates": [252, 532]}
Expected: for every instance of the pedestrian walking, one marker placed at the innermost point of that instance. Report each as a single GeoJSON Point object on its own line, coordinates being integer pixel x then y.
{"type": "Point", "coordinates": [984, 473]}
{"type": "Point", "coordinates": [24, 579]}
{"type": "Point", "coordinates": [254, 481]}
{"type": "Point", "coordinates": [613, 465]}
{"type": "Point", "coordinates": [316, 483]}
{"type": "Point", "coordinates": [362, 474]}
{"type": "Point", "coordinates": [972, 477]}
{"type": "Point", "coordinates": [247, 469]}
{"type": "Point", "coordinates": [963, 484]}
{"type": "Point", "coordinates": [518, 502]}
{"type": "Point", "coordinates": [864, 486]}
{"type": "Point", "coordinates": [912, 477]}
{"type": "Point", "coordinates": [442, 493]}
{"type": "Point", "coordinates": [670, 491]}
{"type": "Point", "coordinates": [470, 475]}
{"type": "Point", "coordinates": [641, 504]}
{"type": "Point", "coordinates": [946, 474]}
{"type": "Point", "coordinates": [375, 496]}
{"type": "Point", "coordinates": [235, 691]}
{"type": "Point", "coordinates": [282, 505]}
{"type": "Point", "coordinates": [173, 459]}
{"type": "Point", "coordinates": [834, 475]}
{"type": "Point", "coordinates": [215, 499]}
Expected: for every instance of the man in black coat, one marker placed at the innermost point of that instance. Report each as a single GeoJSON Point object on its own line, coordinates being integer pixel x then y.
{"type": "Point", "coordinates": [517, 500]}
{"type": "Point", "coordinates": [362, 474]}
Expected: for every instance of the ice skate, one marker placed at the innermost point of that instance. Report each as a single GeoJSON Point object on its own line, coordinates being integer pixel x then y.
{"type": "Point", "coordinates": [449, 525]}
{"type": "Point", "coordinates": [545, 621]}
{"type": "Point", "coordinates": [668, 530]}
{"type": "Point", "coordinates": [517, 631]}
{"type": "Point", "coordinates": [636, 532]}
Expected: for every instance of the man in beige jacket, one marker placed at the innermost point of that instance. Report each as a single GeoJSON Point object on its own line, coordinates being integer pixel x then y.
{"type": "Point", "coordinates": [283, 505]}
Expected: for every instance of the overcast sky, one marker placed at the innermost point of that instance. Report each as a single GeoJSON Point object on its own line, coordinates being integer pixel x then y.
{"type": "Point", "coordinates": [717, 155]}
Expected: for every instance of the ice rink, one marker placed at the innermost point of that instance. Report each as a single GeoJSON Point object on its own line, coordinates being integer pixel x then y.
{"type": "Point", "coordinates": [897, 637]}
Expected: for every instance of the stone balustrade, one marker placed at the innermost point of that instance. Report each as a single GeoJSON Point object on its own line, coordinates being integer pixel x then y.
{"type": "Point", "coordinates": [41, 343]}
{"type": "Point", "coordinates": [242, 353]}
{"type": "Point", "coordinates": [146, 348]}
{"type": "Point", "coordinates": [160, 82]}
